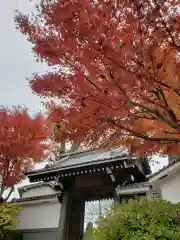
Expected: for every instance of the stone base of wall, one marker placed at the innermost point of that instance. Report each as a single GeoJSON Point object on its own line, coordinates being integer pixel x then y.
{"type": "Point", "coordinates": [40, 234]}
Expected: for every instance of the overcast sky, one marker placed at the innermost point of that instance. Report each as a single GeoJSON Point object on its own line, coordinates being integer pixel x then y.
{"type": "Point", "coordinates": [17, 61]}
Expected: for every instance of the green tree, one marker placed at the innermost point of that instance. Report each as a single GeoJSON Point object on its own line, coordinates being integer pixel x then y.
{"type": "Point", "coordinates": [141, 219]}
{"type": "Point", "coordinates": [8, 218]}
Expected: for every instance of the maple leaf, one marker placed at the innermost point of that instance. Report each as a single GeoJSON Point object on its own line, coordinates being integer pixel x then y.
{"type": "Point", "coordinates": [117, 70]}
{"type": "Point", "coordinates": [23, 142]}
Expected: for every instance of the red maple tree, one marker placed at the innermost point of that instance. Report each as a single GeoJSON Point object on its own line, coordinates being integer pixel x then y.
{"type": "Point", "coordinates": [23, 142]}
{"type": "Point", "coordinates": [117, 66]}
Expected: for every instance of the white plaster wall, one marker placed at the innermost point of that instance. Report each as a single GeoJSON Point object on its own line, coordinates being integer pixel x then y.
{"type": "Point", "coordinates": [170, 188]}
{"type": "Point", "coordinates": [41, 215]}
{"type": "Point", "coordinates": [38, 191]}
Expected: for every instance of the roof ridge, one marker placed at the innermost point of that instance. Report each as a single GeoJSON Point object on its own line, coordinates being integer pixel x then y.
{"type": "Point", "coordinates": [67, 155]}
{"type": "Point", "coordinates": [63, 157]}
{"type": "Point", "coordinates": [75, 152]}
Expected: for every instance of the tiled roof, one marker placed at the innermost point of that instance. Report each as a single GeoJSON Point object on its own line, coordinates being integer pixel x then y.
{"type": "Point", "coordinates": [79, 159]}
{"type": "Point", "coordinates": [136, 188]}
{"type": "Point", "coordinates": [34, 185]}
{"type": "Point", "coordinates": [34, 198]}
{"type": "Point", "coordinates": [86, 157]}
{"type": "Point", "coordinates": [134, 185]}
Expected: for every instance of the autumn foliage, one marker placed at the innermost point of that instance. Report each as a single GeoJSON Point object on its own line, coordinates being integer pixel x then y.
{"type": "Point", "coordinates": [117, 68]}
{"type": "Point", "coordinates": [23, 142]}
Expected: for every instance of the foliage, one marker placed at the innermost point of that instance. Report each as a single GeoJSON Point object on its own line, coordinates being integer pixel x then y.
{"type": "Point", "coordinates": [22, 143]}
{"type": "Point", "coordinates": [89, 234]}
{"type": "Point", "coordinates": [13, 235]}
{"type": "Point", "coordinates": [117, 66]}
{"type": "Point", "coordinates": [142, 219]}
{"type": "Point", "coordinates": [8, 219]}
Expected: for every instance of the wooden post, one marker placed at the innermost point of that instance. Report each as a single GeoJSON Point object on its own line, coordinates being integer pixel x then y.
{"type": "Point", "coordinates": [71, 221]}
{"type": "Point", "coordinates": [117, 199]}
{"type": "Point", "coordinates": [64, 217]}
{"type": "Point", "coordinates": [76, 220]}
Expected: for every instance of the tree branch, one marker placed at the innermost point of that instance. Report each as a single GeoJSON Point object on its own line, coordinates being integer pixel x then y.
{"type": "Point", "coordinates": [157, 114]}
{"type": "Point", "coordinates": [173, 42]}
{"type": "Point", "coordinates": [143, 136]}
{"type": "Point", "coordinates": [9, 194]}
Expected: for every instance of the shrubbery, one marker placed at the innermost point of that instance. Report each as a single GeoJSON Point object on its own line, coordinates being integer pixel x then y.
{"type": "Point", "coordinates": [8, 222]}
{"type": "Point", "coordinates": [12, 235]}
{"type": "Point", "coordinates": [139, 219]}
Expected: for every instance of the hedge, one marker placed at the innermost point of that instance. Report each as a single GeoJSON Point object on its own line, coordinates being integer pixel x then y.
{"type": "Point", "coordinates": [139, 219]}
{"type": "Point", "coordinates": [9, 222]}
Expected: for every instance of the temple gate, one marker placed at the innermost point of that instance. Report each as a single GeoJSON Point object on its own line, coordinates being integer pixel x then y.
{"type": "Point", "coordinates": [88, 176]}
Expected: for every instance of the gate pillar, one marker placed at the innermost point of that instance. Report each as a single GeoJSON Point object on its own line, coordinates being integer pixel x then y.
{"type": "Point", "coordinates": [71, 222]}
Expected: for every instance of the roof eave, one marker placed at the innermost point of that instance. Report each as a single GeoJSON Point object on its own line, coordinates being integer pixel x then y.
{"type": "Point", "coordinates": [74, 166]}
{"type": "Point", "coordinates": [139, 188]}
{"type": "Point", "coordinates": [35, 199]}
{"type": "Point", "coordinates": [164, 172]}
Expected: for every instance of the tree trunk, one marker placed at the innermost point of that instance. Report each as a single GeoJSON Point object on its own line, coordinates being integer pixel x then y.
{"type": "Point", "coordinates": [62, 148]}
{"type": "Point", "coordinates": [75, 146]}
